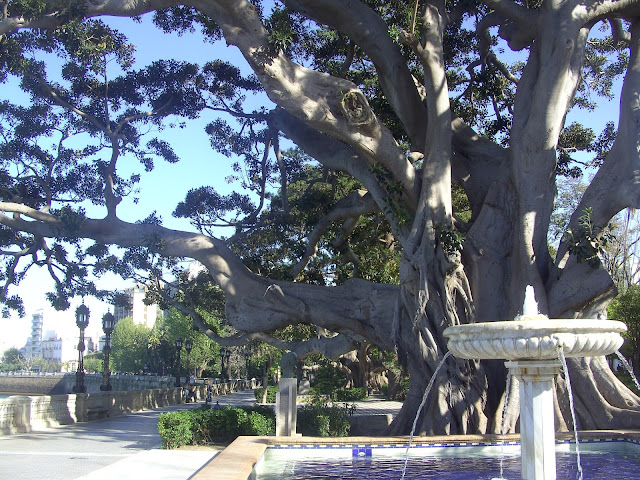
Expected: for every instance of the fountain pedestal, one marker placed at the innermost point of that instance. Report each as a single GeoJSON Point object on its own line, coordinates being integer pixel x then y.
{"type": "Point", "coordinates": [537, 428]}
{"type": "Point", "coordinates": [533, 344]}
{"type": "Point", "coordinates": [286, 407]}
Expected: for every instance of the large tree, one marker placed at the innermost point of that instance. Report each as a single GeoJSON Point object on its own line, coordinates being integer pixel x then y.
{"type": "Point", "coordinates": [405, 99]}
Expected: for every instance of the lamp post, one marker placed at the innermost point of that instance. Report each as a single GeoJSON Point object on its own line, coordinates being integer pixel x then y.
{"type": "Point", "coordinates": [108, 323]}
{"type": "Point", "coordinates": [178, 348]}
{"type": "Point", "coordinates": [188, 345]}
{"type": "Point", "coordinates": [82, 320]}
{"type": "Point", "coordinates": [246, 360]}
{"type": "Point", "coordinates": [222, 363]}
{"type": "Point", "coordinates": [227, 355]}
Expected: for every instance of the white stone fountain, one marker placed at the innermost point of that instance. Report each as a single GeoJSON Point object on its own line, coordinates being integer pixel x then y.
{"type": "Point", "coordinates": [531, 343]}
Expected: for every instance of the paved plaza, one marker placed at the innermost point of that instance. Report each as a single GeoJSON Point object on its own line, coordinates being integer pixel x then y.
{"type": "Point", "coordinates": [119, 448]}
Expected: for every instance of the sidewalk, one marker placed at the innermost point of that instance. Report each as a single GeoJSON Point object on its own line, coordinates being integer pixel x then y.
{"type": "Point", "coordinates": [377, 405]}
{"type": "Point", "coordinates": [121, 448]}
{"type": "Point", "coordinates": [118, 448]}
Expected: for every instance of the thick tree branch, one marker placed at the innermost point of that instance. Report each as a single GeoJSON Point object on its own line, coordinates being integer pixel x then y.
{"type": "Point", "coordinates": [253, 303]}
{"type": "Point", "coordinates": [620, 35]}
{"type": "Point", "coordinates": [332, 105]}
{"type": "Point", "coordinates": [616, 184]}
{"type": "Point", "coordinates": [435, 199]}
{"type": "Point", "coordinates": [514, 12]}
{"type": "Point", "coordinates": [121, 8]}
{"type": "Point", "coordinates": [477, 163]}
{"type": "Point", "coordinates": [356, 204]}
{"type": "Point", "coordinates": [598, 9]}
{"type": "Point", "coordinates": [337, 156]}
{"type": "Point", "coordinates": [367, 29]}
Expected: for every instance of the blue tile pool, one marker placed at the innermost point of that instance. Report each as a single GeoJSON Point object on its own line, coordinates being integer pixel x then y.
{"type": "Point", "coordinates": [600, 459]}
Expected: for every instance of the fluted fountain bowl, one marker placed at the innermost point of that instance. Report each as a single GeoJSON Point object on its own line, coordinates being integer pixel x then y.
{"type": "Point", "coordinates": [535, 338]}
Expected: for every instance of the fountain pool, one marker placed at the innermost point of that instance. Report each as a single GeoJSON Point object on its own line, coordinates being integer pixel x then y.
{"type": "Point", "coordinates": [473, 461]}
{"type": "Point", "coordinates": [536, 347]}
{"type": "Point", "coordinates": [462, 457]}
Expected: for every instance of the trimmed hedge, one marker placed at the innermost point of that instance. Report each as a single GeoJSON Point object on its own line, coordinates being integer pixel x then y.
{"type": "Point", "coordinates": [322, 420]}
{"type": "Point", "coordinates": [271, 394]}
{"type": "Point", "coordinates": [204, 425]}
{"type": "Point", "coordinates": [350, 394]}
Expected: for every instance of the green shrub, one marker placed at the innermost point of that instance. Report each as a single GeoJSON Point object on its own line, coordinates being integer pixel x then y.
{"type": "Point", "coordinates": [175, 428]}
{"type": "Point", "coordinates": [327, 379]}
{"type": "Point", "coordinates": [271, 394]}
{"type": "Point", "coordinates": [205, 425]}
{"type": "Point", "coordinates": [322, 420]}
{"type": "Point", "coordinates": [625, 378]}
{"type": "Point", "coordinates": [384, 389]}
{"type": "Point", "coordinates": [350, 394]}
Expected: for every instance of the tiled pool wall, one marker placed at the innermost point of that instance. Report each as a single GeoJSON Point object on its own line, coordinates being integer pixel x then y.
{"type": "Point", "coordinates": [238, 460]}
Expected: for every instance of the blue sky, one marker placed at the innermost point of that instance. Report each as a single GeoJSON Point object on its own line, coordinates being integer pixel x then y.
{"type": "Point", "coordinates": [161, 189]}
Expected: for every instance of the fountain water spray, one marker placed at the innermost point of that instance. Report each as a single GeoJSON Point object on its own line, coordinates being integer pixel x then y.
{"type": "Point", "coordinates": [571, 407]}
{"type": "Point", "coordinates": [530, 344]}
{"type": "Point", "coordinates": [502, 429]}
{"type": "Point", "coordinates": [415, 420]}
{"type": "Point", "coordinates": [628, 368]}
{"type": "Point", "coordinates": [530, 306]}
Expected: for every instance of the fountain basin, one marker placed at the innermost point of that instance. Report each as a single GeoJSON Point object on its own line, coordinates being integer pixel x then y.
{"type": "Point", "coordinates": [535, 338]}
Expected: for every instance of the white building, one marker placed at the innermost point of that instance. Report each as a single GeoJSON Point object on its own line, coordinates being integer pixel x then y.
{"type": "Point", "coordinates": [59, 349]}
{"type": "Point", "coordinates": [33, 347]}
{"type": "Point", "coordinates": [138, 310]}
{"type": "Point", "coordinates": [64, 349]}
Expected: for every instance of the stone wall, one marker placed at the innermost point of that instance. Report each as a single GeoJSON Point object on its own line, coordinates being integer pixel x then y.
{"type": "Point", "coordinates": [42, 385]}
{"type": "Point", "coordinates": [63, 383]}
{"type": "Point", "coordinates": [22, 413]}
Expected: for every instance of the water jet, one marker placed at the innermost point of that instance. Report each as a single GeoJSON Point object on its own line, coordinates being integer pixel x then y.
{"type": "Point", "coordinates": [530, 345]}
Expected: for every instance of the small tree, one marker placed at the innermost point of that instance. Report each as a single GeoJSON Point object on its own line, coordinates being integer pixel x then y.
{"type": "Point", "coordinates": [626, 308]}
{"type": "Point", "coordinates": [129, 345]}
{"type": "Point", "coordinates": [12, 359]}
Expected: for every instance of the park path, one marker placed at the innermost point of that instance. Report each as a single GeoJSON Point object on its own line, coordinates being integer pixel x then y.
{"type": "Point", "coordinates": [117, 448]}
{"type": "Point", "coordinates": [121, 448]}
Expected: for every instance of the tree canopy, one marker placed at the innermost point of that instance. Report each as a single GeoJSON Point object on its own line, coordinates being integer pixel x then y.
{"type": "Point", "coordinates": [399, 180]}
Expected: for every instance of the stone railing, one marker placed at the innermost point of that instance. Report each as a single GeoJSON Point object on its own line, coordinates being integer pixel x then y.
{"type": "Point", "coordinates": [62, 383]}
{"type": "Point", "coordinates": [21, 413]}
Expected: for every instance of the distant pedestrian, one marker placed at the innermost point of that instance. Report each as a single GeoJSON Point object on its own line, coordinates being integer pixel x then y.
{"type": "Point", "coordinates": [209, 395]}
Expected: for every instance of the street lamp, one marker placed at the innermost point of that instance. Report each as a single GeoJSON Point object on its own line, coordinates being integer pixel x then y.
{"type": "Point", "coordinates": [108, 323]}
{"type": "Point", "coordinates": [222, 350]}
{"type": "Point", "coordinates": [82, 320]}
{"type": "Point", "coordinates": [178, 348]}
{"type": "Point", "coordinates": [188, 345]}
{"type": "Point", "coordinates": [246, 360]}
{"type": "Point", "coordinates": [227, 354]}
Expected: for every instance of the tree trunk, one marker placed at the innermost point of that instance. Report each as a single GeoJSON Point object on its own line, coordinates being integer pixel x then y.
{"type": "Point", "coordinates": [265, 382]}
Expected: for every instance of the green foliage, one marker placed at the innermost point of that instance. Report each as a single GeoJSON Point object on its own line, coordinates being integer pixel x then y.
{"type": "Point", "coordinates": [588, 241]}
{"type": "Point", "coordinates": [129, 346]}
{"type": "Point", "coordinates": [271, 394]}
{"type": "Point", "coordinates": [460, 203]}
{"type": "Point", "coordinates": [283, 29]}
{"type": "Point", "coordinates": [449, 239]}
{"type": "Point", "coordinates": [321, 420]}
{"type": "Point", "coordinates": [206, 425]}
{"type": "Point", "coordinates": [176, 428]}
{"type": "Point", "coordinates": [395, 206]}
{"type": "Point", "coordinates": [626, 308]}
{"type": "Point", "coordinates": [93, 362]}
{"type": "Point", "coordinates": [350, 394]}
{"type": "Point", "coordinates": [12, 360]}
{"type": "Point", "coordinates": [625, 377]}
{"type": "Point", "coordinates": [327, 379]}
